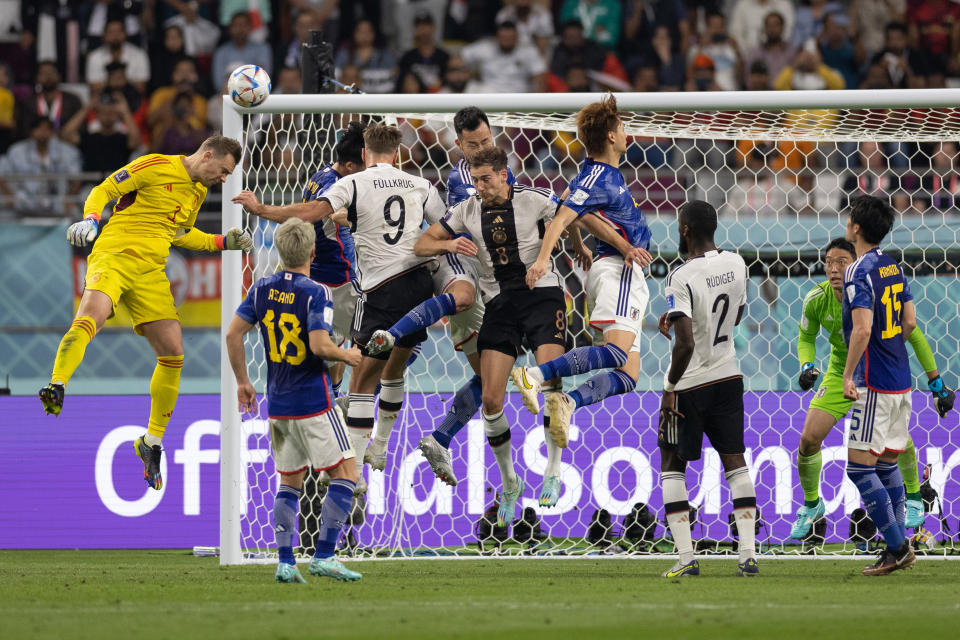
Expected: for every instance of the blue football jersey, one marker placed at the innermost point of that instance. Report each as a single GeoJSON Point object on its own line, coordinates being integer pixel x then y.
{"type": "Point", "coordinates": [460, 183]}
{"type": "Point", "coordinates": [288, 306]}
{"type": "Point", "coordinates": [876, 282]}
{"type": "Point", "coordinates": [336, 255]}
{"type": "Point", "coordinates": [600, 188]}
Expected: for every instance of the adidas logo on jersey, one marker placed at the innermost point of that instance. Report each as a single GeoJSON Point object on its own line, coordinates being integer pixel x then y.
{"type": "Point", "coordinates": [622, 190]}
{"type": "Point", "coordinates": [829, 318]}
{"type": "Point", "coordinates": [498, 219]}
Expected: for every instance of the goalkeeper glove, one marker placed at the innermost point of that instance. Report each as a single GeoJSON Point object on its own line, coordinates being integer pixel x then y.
{"type": "Point", "coordinates": [942, 396]}
{"type": "Point", "coordinates": [82, 233]}
{"type": "Point", "coordinates": [238, 239]}
{"type": "Point", "coordinates": [808, 376]}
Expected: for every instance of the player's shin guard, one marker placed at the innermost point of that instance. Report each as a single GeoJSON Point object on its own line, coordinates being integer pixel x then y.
{"type": "Point", "coordinates": [465, 405]}
{"type": "Point", "coordinates": [424, 315]}
{"type": "Point", "coordinates": [360, 425]}
{"type": "Point", "coordinates": [907, 461]}
{"type": "Point", "coordinates": [336, 506]}
{"type": "Point", "coordinates": [391, 401]}
{"type": "Point", "coordinates": [581, 360]}
{"type": "Point", "coordinates": [603, 385]}
{"type": "Point", "coordinates": [553, 451]}
{"type": "Point", "coordinates": [164, 389]}
{"type": "Point", "coordinates": [889, 475]}
{"type": "Point", "coordinates": [744, 510]}
{"type": "Point", "coordinates": [498, 435]}
{"type": "Point", "coordinates": [877, 503]}
{"type": "Point", "coordinates": [71, 349]}
{"type": "Point", "coordinates": [285, 521]}
{"type": "Point", "coordinates": [677, 508]}
{"type": "Point", "coordinates": [808, 468]}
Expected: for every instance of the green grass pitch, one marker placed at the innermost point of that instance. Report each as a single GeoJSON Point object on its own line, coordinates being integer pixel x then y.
{"type": "Point", "coordinates": [175, 596]}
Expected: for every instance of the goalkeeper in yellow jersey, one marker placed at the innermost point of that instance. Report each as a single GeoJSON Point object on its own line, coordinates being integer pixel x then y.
{"type": "Point", "coordinates": [158, 199]}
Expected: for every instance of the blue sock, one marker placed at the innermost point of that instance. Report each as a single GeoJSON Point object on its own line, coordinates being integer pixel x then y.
{"type": "Point", "coordinates": [336, 388]}
{"type": "Point", "coordinates": [892, 479]}
{"type": "Point", "coordinates": [582, 360]}
{"type": "Point", "coordinates": [465, 405]}
{"type": "Point", "coordinates": [285, 509]}
{"type": "Point", "coordinates": [413, 357]}
{"type": "Point", "coordinates": [603, 385]}
{"type": "Point", "coordinates": [424, 315]}
{"type": "Point", "coordinates": [876, 501]}
{"type": "Point", "coordinates": [336, 508]}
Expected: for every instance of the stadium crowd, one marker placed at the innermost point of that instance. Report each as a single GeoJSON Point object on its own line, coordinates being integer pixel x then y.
{"type": "Point", "coordinates": [85, 85]}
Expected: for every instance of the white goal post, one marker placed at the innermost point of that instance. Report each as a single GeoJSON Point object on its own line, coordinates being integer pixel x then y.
{"type": "Point", "coordinates": [778, 166]}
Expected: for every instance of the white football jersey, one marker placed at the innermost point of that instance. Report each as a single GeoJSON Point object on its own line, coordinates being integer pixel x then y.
{"type": "Point", "coordinates": [709, 289]}
{"type": "Point", "coordinates": [386, 209]}
{"type": "Point", "coordinates": [508, 237]}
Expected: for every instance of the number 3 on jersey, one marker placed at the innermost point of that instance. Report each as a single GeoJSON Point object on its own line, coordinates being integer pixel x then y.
{"type": "Point", "coordinates": [290, 329]}
{"type": "Point", "coordinates": [892, 306]}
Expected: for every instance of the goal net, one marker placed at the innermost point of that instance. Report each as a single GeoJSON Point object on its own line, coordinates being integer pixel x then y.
{"type": "Point", "coordinates": [780, 168]}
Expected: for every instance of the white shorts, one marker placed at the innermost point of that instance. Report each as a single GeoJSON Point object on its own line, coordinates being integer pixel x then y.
{"type": "Point", "coordinates": [618, 296]}
{"type": "Point", "coordinates": [344, 306]}
{"type": "Point", "coordinates": [464, 326]}
{"type": "Point", "coordinates": [319, 441]}
{"type": "Point", "coordinates": [878, 422]}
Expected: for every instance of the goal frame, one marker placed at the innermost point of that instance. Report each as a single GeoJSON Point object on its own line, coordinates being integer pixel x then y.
{"type": "Point", "coordinates": [231, 463]}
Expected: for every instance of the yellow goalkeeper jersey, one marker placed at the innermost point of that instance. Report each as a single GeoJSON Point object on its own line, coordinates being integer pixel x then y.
{"type": "Point", "coordinates": [157, 205]}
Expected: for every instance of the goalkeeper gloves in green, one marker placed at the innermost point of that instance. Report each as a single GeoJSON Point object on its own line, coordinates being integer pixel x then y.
{"type": "Point", "coordinates": [82, 233]}
{"type": "Point", "coordinates": [808, 376]}
{"type": "Point", "coordinates": [238, 239]}
{"type": "Point", "coordinates": [942, 396]}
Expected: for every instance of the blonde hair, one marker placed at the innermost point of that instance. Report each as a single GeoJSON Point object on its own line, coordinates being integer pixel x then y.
{"type": "Point", "coordinates": [295, 239]}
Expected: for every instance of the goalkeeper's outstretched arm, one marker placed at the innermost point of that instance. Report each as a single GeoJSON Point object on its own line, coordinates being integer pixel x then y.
{"type": "Point", "coordinates": [195, 240]}
{"type": "Point", "coordinates": [807, 342]}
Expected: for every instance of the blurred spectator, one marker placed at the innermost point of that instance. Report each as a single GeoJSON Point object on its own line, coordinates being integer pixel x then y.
{"type": "Point", "coordinates": [873, 177]}
{"type": "Point", "coordinates": [469, 20]}
{"type": "Point", "coordinates": [810, 18]}
{"type": "Point", "coordinates": [503, 65]}
{"type": "Point", "coordinates": [117, 83]}
{"type": "Point", "coordinates": [534, 23]}
{"type": "Point", "coordinates": [116, 49]}
{"type": "Point", "coordinates": [670, 64]}
{"type": "Point", "coordinates": [810, 196]}
{"type": "Point", "coordinates": [940, 187]}
{"type": "Point", "coordinates": [577, 80]}
{"type": "Point", "coordinates": [259, 13]}
{"type": "Point", "coordinates": [376, 66]}
{"type": "Point", "coordinates": [775, 52]}
{"type": "Point", "coordinates": [935, 31]}
{"type": "Point", "coordinates": [165, 57]}
{"type": "Point", "coordinates": [239, 50]}
{"type": "Point", "coordinates": [22, 58]}
{"type": "Point", "coordinates": [575, 50]}
{"type": "Point", "coordinates": [645, 78]}
{"type": "Point", "coordinates": [200, 33]}
{"type": "Point", "coordinates": [8, 125]}
{"type": "Point", "coordinates": [747, 21]}
{"type": "Point", "coordinates": [876, 77]}
{"type": "Point", "coordinates": [600, 19]}
{"type": "Point", "coordinates": [326, 15]}
{"type": "Point", "coordinates": [870, 19]}
{"type": "Point", "coordinates": [838, 51]}
{"type": "Point", "coordinates": [47, 100]}
{"type": "Point", "coordinates": [397, 21]}
{"type": "Point", "coordinates": [722, 51]}
{"type": "Point", "coordinates": [183, 81]}
{"type": "Point", "coordinates": [758, 76]}
{"type": "Point", "coordinates": [642, 16]}
{"type": "Point", "coordinates": [410, 82]}
{"type": "Point", "coordinates": [702, 75]}
{"type": "Point", "coordinates": [288, 81]}
{"type": "Point", "coordinates": [808, 72]}
{"type": "Point", "coordinates": [904, 65]}
{"type": "Point", "coordinates": [757, 191]}
{"type": "Point", "coordinates": [42, 152]}
{"type": "Point", "coordinates": [457, 79]}
{"type": "Point", "coordinates": [180, 135]}
{"type": "Point", "coordinates": [107, 141]}
{"type": "Point", "coordinates": [305, 22]}
{"type": "Point", "coordinates": [425, 60]}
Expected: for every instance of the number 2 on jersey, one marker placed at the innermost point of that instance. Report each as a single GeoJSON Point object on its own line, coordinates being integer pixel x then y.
{"type": "Point", "coordinates": [725, 299]}
{"type": "Point", "coordinates": [892, 306]}
{"type": "Point", "coordinates": [290, 329]}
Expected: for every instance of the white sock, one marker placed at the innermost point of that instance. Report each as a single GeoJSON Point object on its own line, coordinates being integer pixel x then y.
{"type": "Point", "coordinates": [152, 440]}
{"type": "Point", "coordinates": [533, 373]}
{"type": "Point", "coordinates": [553, 451]}
{"type": "Point", "coordinates": [744, 510]}
{"type": "Point", "coordinates": [360, 424]}
{"type": "Point", "coordinates": [498, 435]}
{"type": "Point", "coordinates": [391, 401]}
{"type": "Point", "coordinates": [676, 504]}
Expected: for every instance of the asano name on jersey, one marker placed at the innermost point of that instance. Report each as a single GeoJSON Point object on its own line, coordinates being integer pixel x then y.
{"type": "Point", "coordinates": [710, 290]}
{"type": "Point", "coordinates": [333, 264]}
{"type": "Point", "coordinates": [386, 209]}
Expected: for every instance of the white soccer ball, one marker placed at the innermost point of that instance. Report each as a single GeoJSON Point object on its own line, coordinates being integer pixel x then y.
{"type": "Point", "coordinates": [249, 85]}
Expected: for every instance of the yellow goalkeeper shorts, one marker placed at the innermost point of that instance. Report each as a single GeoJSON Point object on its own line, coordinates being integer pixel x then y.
{"type": "Point", "coordinates": [141, 286]}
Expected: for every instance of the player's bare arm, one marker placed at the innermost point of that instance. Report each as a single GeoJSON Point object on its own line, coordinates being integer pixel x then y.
{"type": "Point", "coordinates": [859, 337]}
{"type": "Point", "coordinates": [324, 347]}
{"type": "Point", "coordinates": [908, 319]}
{"type": "Point", "coordinates": [312, 211]}
{"type": "Point", "coordinates": [551, 237]}
{"type": "Point", "coordinates": [436, 240]}
{"type": "Point", "coordinates": [682, 353]}
{"type": "Point", "coordinates": [246, 395]}
{"type": "Point", "coordinates": [602, 231]}
{"type": "Point", "coordinates": [581, 253]}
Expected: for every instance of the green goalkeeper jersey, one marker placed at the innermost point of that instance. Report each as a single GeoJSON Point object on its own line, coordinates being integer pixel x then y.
{"type": "Point", "coordinates": [822, 309]}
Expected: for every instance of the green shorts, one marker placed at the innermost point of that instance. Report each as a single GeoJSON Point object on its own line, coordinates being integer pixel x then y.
{"type": "Point", "coordinates": [829, 396]}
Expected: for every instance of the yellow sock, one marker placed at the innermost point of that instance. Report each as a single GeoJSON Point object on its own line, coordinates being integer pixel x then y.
{"type": "Point", "coordinates": [71, 349]}
{"type": "Point", "coordinates": [164, 388]}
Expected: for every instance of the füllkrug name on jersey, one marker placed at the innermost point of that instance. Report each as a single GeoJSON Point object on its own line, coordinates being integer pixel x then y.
{"type": "Point", "coordinates": [392, 184]}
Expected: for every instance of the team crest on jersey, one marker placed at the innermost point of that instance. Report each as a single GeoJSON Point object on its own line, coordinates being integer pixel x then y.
{"type": "Point", "coordinates": [120, 176]}
{"type": "Point", "coordinates": [634, 313]}
{"type": "Point", "coordinates": [670, 303]}
{"type": "Point", "coordinates": [579, 196]}
{"type": "Point", "coordinates": [499, 235]}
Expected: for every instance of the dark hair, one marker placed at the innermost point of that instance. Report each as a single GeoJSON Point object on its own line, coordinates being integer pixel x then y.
{"type": "Point", "coordinates": [507, 24]}
{"type": "Point", "coordinates": [701, 217]}
{"type": "Point", "coordinates": [381, 138]}
{"type": "Point", "coordinates": [240, 14]}
{"type": "Point", "coordinates": [571, 23]}
{"type": "Point", "coordinates": [759, 66]}
{"type": "Point", "coordinates": [841, 243]}
{"type": "Point", "coordinates": [38, 120]}
{"type": "Point", "coordinates": [222, 146]}
{"type": "Point", "coordinates": [778, 16]}
{"type": "Point", "coordinates": [350, 145]}
{"type": "Point", "coordinates": [896, 26]}
{"type": "Point", "coordinates": [48, 63]}
{"type": "Point", "coordinates": [494, 157]}
{"type": "Point", "coordinates": [398, 87]}
{"type": "Point", "coordinates": [469, 119]}
{"type": "Point", "coordinates": [874, 216]}
{"type": "Point", "coordinates": [595, 121]}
